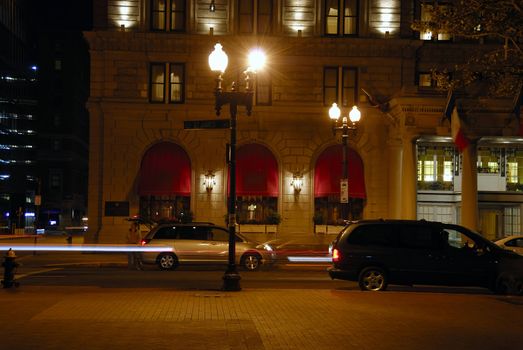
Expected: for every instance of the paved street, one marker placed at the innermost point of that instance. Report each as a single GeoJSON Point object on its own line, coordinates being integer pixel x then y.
{"type": "Point", "coordinates": [92, 301]}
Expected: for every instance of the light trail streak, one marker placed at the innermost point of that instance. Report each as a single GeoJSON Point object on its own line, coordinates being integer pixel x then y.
{"type": "Point", "coordinates": [309, 259]}
{"type": "Point", "coordinates": [85, 248]}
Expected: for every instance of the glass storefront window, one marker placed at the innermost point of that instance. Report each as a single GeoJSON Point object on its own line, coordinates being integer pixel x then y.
{"type": "Point", "coordinates": [256, 209]}
{"type": "Point", "coordinates": [329, 210]}
{"type": "Point", "coordinates": [165, 208]}
{"type": "Point", "coordinates": [435, 168]}
{"type": "Point", "coordinates": [512, 220]}
{"type": "Point", "coordinates": [488, 160]}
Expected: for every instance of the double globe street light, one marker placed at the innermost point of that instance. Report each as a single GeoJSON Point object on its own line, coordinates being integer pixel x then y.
{"type": "Point", "coordinates": [354, 116]}
{"type": "Point", "coordinates": [218, 62]}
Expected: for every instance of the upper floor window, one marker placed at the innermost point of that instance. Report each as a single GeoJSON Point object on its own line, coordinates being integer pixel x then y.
{"type": "Point", "coordinates": [167, 82]}
{"type": "Point", "coordinates": [340, 84]}
{"type": "Point", "coordinates": [426, 16]}
{"type": "Point", "coordinates": [168, 15]}
{"type": "Point", "coordinates": [341, 17]}
{"type": "Point", "coordinates": [254, 16]}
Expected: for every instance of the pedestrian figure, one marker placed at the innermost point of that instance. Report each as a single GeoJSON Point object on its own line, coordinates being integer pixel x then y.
{"type": "Point", "coordinates": [133, 238]}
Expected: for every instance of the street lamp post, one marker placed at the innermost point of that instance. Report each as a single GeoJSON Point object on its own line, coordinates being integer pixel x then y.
{"type": "Point", "coordinates": [354, 116]}
{"type": "Point", "coordinates": [218, 61]}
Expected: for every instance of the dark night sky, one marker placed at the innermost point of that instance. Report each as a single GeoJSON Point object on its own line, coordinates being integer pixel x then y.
{"type": "Point", "coordinates": [58, 15]}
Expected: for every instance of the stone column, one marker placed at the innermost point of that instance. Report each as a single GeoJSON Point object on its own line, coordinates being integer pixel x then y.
{"type": "Point", "coordinates": [395, 163]}
{"type": "Point", "coordinates": [96, 160]}
{"type": "Point", "coordinates": [469, 188]}
{"type": "Point", "coordinates": [408, 180]}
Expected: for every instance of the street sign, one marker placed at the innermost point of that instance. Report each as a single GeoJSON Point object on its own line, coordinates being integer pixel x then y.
{"type": "Point", "coordinates": [207, 124]}
{"type": "Point", "coordinates": [344, 191]}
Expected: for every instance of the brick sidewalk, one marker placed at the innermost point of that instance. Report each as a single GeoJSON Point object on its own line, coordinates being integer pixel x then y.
{"type": "Point", "coordinates": [151, 318]}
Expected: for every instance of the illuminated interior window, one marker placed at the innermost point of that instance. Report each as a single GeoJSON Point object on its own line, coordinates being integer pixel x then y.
{"type": "Point", "coordinates": [176, 78]}
{"type": "Point", "coordinates": [426, 16]}
{"type": "Point", "coordinates": [447, 170]}
{"type": "Point", "coordinates": [488, 160]}
{"type": "Point", "coordinates": [341, 17]}
{"type": "Point", "coordinates": [176, 84]}
{"type": "Point", "coordinates": [425, 80]}
{"type": "Point", "coordinates": [512, 172]}
{"type": "Point", "coordinates": [428, 170]}
{"type": "Point", "coordinates": [157, 84]}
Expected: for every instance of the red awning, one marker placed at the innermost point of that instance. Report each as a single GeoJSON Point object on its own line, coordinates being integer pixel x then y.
{"type": "Point", "coordinates": [256, 171]}
{"type": "Point", "coordinates": [328, 173]}
{"type": "Point", "coordinates": [165, 170]}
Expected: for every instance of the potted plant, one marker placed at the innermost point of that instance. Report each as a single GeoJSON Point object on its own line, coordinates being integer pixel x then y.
{"type": "Point", "coordinates": [273, 218]}
{"type": "Point", "coordinates": [318, 218]}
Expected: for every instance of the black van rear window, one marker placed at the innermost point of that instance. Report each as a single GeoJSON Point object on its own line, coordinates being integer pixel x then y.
{"type": "Point", "coordinates": [377, 235]}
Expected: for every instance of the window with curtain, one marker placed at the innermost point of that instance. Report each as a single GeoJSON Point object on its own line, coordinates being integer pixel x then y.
{"type": "Point", "coordinates": [254, 16]}
{"type": "Point", "coordinates": [168, 15]}
{"type": "Point", "coordinates": [341, 17]}
{"type": "Point", "coordinates": [335, 88]}
{"type": "Point", "coordinates": [157, 83]}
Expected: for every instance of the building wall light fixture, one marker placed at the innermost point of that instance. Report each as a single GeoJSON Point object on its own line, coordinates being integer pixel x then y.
{"type": "Point", "coordinates": [209, 181]}
{"type": "Point", "coordinates": [297, 182]}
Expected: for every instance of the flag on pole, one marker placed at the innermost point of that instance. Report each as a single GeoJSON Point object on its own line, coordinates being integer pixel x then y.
{"type": "Point", "coordinates": [458, 135]}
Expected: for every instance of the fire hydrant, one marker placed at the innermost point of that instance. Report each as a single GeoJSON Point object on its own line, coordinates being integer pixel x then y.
{"type": "Point", "coordinates": [10, 266]}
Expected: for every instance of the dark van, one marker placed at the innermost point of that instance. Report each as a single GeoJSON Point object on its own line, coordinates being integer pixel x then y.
{"type": "Point", "coordinates": [378, 252]}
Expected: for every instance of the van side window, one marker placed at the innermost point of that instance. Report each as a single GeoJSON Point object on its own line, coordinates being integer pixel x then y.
{"type": "Point", "coordinates": [194, 233]}
{"type": "Point", "coordinates": [416, 237]}
{"type": "Point", "coordinates": [376, 235]}
{"type": "Point", "coordinates": [219, 235]}
{"type": "Point", "coordinates": [166, 233]}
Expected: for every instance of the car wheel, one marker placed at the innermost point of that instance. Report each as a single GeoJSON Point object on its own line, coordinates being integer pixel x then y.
{"type": "Point", "coordinates": [373, 278]}
{"type": "Point", "coordinates": [508, 284]}
{"type": "Point", "coordinates": [167, 261]}
{"type": "Point", "coordinates": [251, 262]}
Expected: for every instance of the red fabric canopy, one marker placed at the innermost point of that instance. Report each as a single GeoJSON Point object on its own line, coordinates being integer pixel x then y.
{"type": "Point", "coordinates": [165, 170]}
{"type": "Point", "coordinates": [256, 171]}
{"type": "Point", "coordinates": [328, 173]}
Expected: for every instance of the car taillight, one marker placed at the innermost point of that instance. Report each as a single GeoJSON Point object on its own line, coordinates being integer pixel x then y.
{"type": "Point", "coordinates": [144, 241]}
{"type": "Point", "coordinates": [335, 255]}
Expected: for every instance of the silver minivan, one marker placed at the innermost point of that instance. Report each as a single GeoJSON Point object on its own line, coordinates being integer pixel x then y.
{"type": "Point", "coordinates": [202, 243]}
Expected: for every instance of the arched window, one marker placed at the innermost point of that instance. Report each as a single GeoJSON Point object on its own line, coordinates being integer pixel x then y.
{"type": "Point", "coordinates": [257, 184]}
{"type": "Point", "coordinates": [327, 175]}
{"type": "Point", "coordinates": [165, 183]}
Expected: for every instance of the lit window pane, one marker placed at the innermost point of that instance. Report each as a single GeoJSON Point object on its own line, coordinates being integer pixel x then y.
{"type": "Point", "coordinates": [176, 78]}
{"type": "Point", "coordinates": [425, 80]}
{"type": "Point", "coordinates": [447, 171]}
{"type": "Point", "coordinates": [157, 82]}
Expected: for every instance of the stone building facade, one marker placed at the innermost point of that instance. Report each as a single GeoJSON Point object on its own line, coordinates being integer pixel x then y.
{"type": "Point", "coordinates": [150, 80]}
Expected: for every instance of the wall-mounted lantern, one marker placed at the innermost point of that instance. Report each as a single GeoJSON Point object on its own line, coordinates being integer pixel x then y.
{"type": "Point", "coordinates": [209, 180]}
{"type": "Point", "coordinates": [297, 182]}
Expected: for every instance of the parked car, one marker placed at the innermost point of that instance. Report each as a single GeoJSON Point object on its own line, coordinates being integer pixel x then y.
{"type": "Point", "coordinates": [514, 243]}
{"type": "Point", "coordinates": [202, 243]}
{"type": "Point", "coordinates": [378, 252]}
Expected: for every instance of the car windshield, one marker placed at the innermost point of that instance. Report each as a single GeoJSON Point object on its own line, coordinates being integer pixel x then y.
{"type": "Point", "coordinates": [458, 237]}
